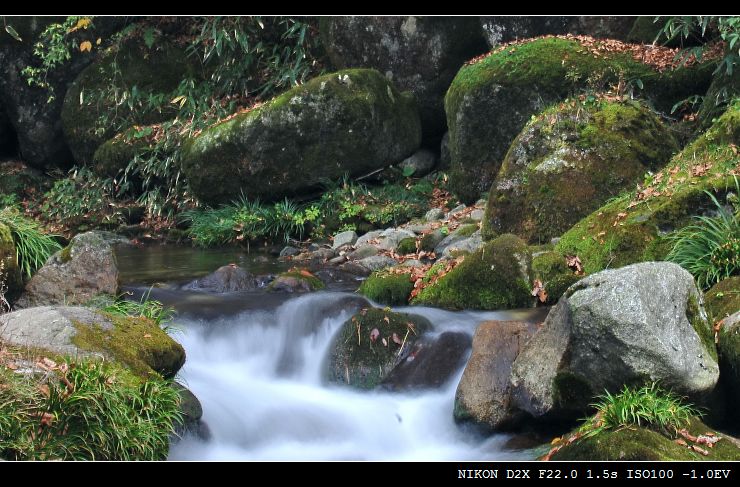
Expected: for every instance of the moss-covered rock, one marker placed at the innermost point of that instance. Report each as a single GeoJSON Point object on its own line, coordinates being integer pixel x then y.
{"type": "Point", "coordinates": [490, 100]}
{"type": "Point", "coordinates": [632, 227]}
{"type": "Point", "coordinates": [406, 246]}
{"type": "Point", "coordinates": [728, 349]}
{"type": "Point", "coordinates": [33, 111]}
{"type": "Point", "coordinates": [18, 179]}
{"type": "Point", "coordinates": [361, 359]}
{"type": "Point", "coordinates": [723, 89]}
{"type": "Point", "coordinates": [113, 155]}
{"type": "Point", "coordinates": [723, 299]}
{"type": "Point", "coordinates": [498, 276]}
{"type": "Point", "coordinates": [420, 54]}
{"type": "Point", "coordinates": [10, 273]}
{"type": "Point", "coordinates": [296, 281]}
{"type": "Point", "coordinates": [348, 122]}
{"type": "Point", "coordinates": [388, 288]}
{"type": "Point", "coordinates": [551, 269]}
{"type": "Point", "coordinates": [641, 444]}
{"type": "Point", "coordinates": [568, 161]}
{"type": "Point", "coordinates": [138, 343]}
{"type": "Point", "coordinates": [156, 70]}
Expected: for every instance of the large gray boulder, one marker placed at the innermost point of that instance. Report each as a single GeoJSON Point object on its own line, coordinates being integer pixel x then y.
{"type": "Point", "coordinates": [483, 395]}
{"type": "Point", "coordinates": [348, 122]}
{"type": "Point", "coordinates": [77, 273]}
{"type": "Point", "coordinates": [83, 332]}
{"type": "Point", "coordinates": [643, 322]}
{"type": "Point", "coordinates": [225, 279]}
{"type": "Point", "coordinates": [420, 54]}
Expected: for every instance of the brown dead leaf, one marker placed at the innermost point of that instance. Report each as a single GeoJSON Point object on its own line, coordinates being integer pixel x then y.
{"type": "Point", "coordinates": [681, 442]}
{"type": "Point", "coordinates": [385, 342]}
{"type": "Point", "coordinates": [685, 433]}
{"type": "Point", "coordinates": [698, 449]}
{"type": "Point", "coordinates": [396, 339]}
{"type": "Point", "coordinates": [147, 335]}
{"type": "Point", "coordinates": [538, 290]}
{"type": "Point", "coordinates": [574, 262]}
{"type": "Point", "coordinates": [44, 389]}
{"type": "Point", "coordinates": [46, 419]}
{"type": "Point", "coordinates": [387, 320]}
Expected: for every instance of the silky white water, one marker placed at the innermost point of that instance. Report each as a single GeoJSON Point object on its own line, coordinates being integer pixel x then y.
{"type": "Point", "coordinates": [259, 376]}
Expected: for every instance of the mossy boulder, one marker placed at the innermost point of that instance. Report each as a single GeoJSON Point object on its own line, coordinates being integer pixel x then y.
{"type": "Point", "coordinates": [641, 323]}
{"type": "Point", "coordinates": [723, 89]}
{"type": "Point", "coordinates": [490, 100]}
{"type": "Point", "coordinates": [113, 156]}
{"type": "Point", "coordinates": [551, 269]}
{"type": "Point", "coordinates": [406, 246]}
{"type": "Point", "coordinates": [361, 358]}
{"type": "Point", "coordinates": [636, 443]}
{"type": "Point", "coordinates": [728, 348]}
{"type": "Point", "coordinates": [390, 288]}
{"type": "Point", "coordinates": [568, 161]}
{"type": "Point", "coordinates": [723, 299]}
{"type": "Point", "coordinates": [632, 227]}
{"type": "Point", "coordinates": [33, 111]}
{"type": "Point", "coordinates": [10, 273]}
{"type": "Point", "coordinates": [16, 178]}
{"type": "Point", "coordinates": [87, 121]}
{"type": "Point", "coordinates": [419, 54]}
{"type": "Point", "coordinates": [137, 343]}
{"type": "Point", "coordinates": [76, 274]}
{"type": "Point", "coordinates": [348, 122]}
{"type": "Point", "coordinates": [296, 281]}
{"type": "Point", "coordinates": [498, 276]}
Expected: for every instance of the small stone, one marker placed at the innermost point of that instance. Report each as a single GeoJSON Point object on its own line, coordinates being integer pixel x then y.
{"type": "Point", "coordinates": [455, 211]}
{"type": "Point", "coordinates": [363, 251]}
{"type": "Point", "coordinates": [344, 238]}
{"type": "Point", "coordinates": [419, 163]}
{"type": "Point", "coordinates": [434, 214]}
{"type": "Point", "coordinates": [289, 251]}
{"type": "Point", "coordinates": [477, 215]}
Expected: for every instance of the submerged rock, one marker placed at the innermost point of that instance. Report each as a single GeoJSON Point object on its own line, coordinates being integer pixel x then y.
{"type": "Point", "coordinates": [643, 322]}
{"type": "Point", "coordinates": [296, 281]}
{"type": "Point", "coordinates": [226, 279]}
{"type": "Point", "coordinates": [370, 344]}
{"type": "Point", "coordinates": [431, 363]}
{"type": "Point", "coordinates": [77, 273]}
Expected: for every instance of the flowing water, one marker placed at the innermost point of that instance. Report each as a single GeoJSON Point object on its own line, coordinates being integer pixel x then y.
{"type": "Point", "coordinates": [258, 372]}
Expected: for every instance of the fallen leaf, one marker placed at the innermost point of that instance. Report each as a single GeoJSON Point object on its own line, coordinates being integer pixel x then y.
{"type": "Point", "coordinates": [374, 335]}
{"type": "Point", "coordinates": [387, 320]}
{"type": "Point", "coordinates": [147, 335]}
{"type": "Point", "coordinates": [46, 419]}
{"type": "Point", "coordinates": [396, 339]}
{"type": "Point", "coordinates": [574, 263]}
{"type": "Point", "coordinates": [44, 389]}
{"type": "Point", "coordinates": [538, 290]}
{"type": "Point", "coordinates": [698, 449]}
{"type": "Point", "coordinates": [685, 433]}
{"type": "Point", "coordinates": [86, 46]}
{"type": "Point", "coordinates": [681, 442]}
{"type": "Point", "coordinates": [385, 342]}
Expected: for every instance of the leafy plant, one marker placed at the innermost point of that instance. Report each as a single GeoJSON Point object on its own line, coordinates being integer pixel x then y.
{"type": "Point", "coordinates": [144, 308]}
{"type": "Point", "coordinates": [649, 407]}
{"type": "Point", "coordinates": [86, 410]}
{"type": "Point", "coordinates": [32, 246]}
{"type": "Point", "coordinates": [82, 199]}
{"type": "Point", "coordinates": [710, 248]}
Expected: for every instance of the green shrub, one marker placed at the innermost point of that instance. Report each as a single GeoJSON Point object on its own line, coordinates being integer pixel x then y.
{"type": "Point", "coordinates": [86, 410]}
{"type": "Point", "coordinates": [32, 246]}
{"type": "Point", "coordinates": [648, 407]}
{"type": "Point", "coordinates": [710, 248]}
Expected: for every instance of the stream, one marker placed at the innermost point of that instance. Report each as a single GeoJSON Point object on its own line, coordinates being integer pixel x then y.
{"type": "Point", "coordinates": [256, 362]}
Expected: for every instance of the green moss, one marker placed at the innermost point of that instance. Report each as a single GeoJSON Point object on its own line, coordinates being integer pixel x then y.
{"type": "Point", "coordinates": [728, 350]}
{"type": "Point", "coordinates": [701, 326]}
{"type": "Point", "coordinates": [136, 342]}
{"type": "Point", "coordinates": [65, 255]}
{"type": "Point", "coordinates": [114, 155]}
{"type": "Point", "coordinates": [406, 246]}
{"type": "Point", "coordinates": [569, 160]}
{"type": "Point", "coordinates": [349, 121]}
{"type": "Point", "coordinates": [635, 444]}
{"type": "Point", "coordinates": [431, 240]}
{"type": "Point", "coordinates": [490, 100]}
{"type": "Point", "coordinates": [494, 277]}
{"type": "Point", "coordinates": [723, 299]}
{"type": "Point", "coordinates": [313, 282]}
{"type": "Point", "coordinates": [156, 70]}
{"type": "Point", "coordinates": [466, 230]}
{"type": "Point", "coordinates": [630, 229]}
{"type": "Point", "coordinates": [553, 271]}
{"type": "Point", "coordinates": [11, 274]}
{"type": "Point", "coordinates": [386, 288]}
{"type": "Point", "coordinates": [358, 361]}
